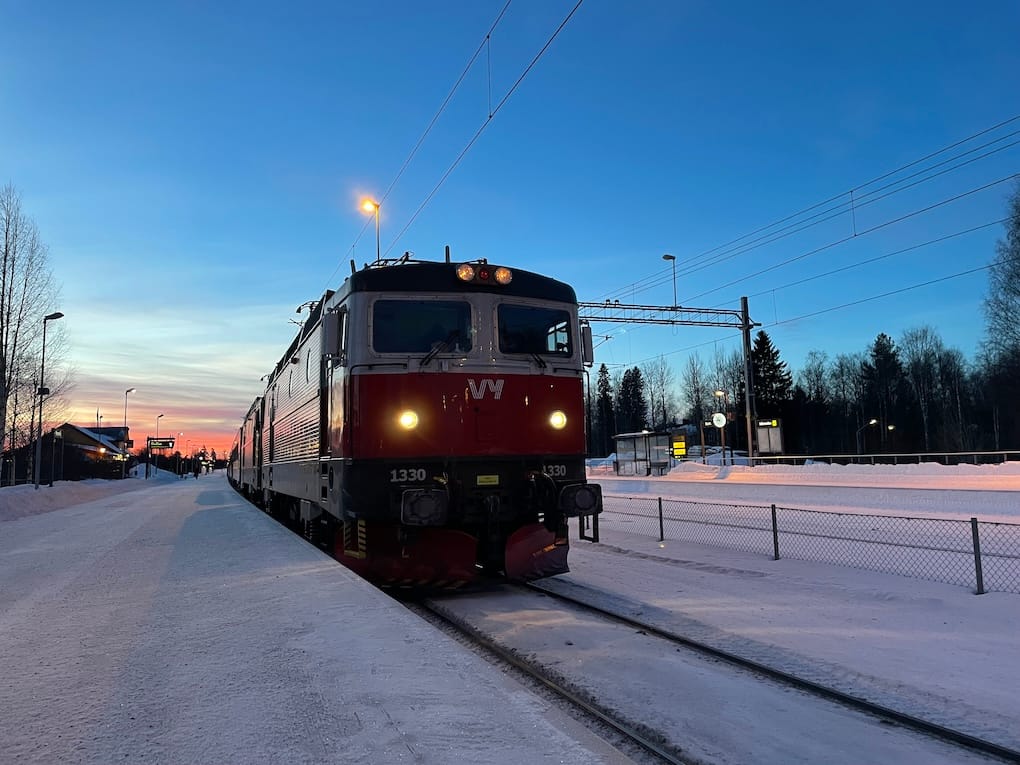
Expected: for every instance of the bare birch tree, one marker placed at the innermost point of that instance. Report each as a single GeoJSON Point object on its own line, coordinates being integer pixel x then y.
{"type": "Point", "coordinates": [921, 349]}
{"type": "Point", "coordinates": [27, 293]}
{"type": "Point", "coordinates": [697, 389]}
{"type": "Point", "coordinates": [659, 381]}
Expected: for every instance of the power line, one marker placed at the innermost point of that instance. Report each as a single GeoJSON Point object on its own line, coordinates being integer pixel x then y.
{"type": "Point", "coordinates": [846, 239]}
{"type": "Point", "coordinates": [473, 139]}
{"type": "Point", "coordinates": [662, 277]}
{"type": "Point", "coordinates": [877, 258]}
{"type": "Point", "coordinates": [857, 188]}
{"type": "Point", "coordinates": [860, 301]}
{"type": "Point", "coordinates": [890, 293]}
{"type": "Point", "coordinates": [484, 125]}
{"type": "Point", "coordinates": [449, 96]}
{"type": "Point", "coordinates": [428, 128]}
{"type": "Point", "coordinates": [852, 206]}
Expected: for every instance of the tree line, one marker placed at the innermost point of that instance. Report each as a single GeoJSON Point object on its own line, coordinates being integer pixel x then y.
{"type": "Point", "coordinates": [908, 394]}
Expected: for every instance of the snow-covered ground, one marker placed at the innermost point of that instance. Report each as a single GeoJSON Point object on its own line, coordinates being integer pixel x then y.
{"type": "Point", "coordinates": [937, 649]}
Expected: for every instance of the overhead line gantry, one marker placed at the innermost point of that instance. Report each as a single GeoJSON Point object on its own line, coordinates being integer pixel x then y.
{"type": "Point", "coordinates": [676, 315]}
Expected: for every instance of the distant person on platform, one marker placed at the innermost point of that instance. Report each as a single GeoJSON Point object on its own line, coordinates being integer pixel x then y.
{"type": "Point", "coordinates": [198, 468]}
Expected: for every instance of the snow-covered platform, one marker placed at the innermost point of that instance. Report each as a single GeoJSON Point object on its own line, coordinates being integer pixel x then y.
{"type": "Point", "coordinates": [175, 623]}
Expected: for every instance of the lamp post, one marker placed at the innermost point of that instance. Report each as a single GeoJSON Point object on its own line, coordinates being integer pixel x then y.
{"type": "Point", "coordinates": [672, 260]}
{"type": "Point", "coordinates": [369, 205]}
{"type": "Point", "coordinates": [722, 431]}
{"type": "Point", "coordinates": [124, 455]}
{"type": "Point", "coordinates": [155, 468]}
{"type": "Point", "coordinates": [43, 391]}
{"type": "Point", "coordinates": [861, 429]}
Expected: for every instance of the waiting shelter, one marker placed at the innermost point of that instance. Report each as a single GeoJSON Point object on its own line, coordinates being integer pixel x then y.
{"type": "Point", "coordinates": [642, 453]}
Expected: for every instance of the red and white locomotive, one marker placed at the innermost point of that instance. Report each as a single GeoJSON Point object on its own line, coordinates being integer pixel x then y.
{"type": "Point", "coordinates": [428, 422]}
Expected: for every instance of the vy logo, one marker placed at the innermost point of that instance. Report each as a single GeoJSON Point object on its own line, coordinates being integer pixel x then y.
{"type": "Point", "coordinates": [478, 391]}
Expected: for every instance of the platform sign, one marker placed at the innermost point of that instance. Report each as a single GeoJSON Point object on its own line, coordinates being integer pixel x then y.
{"type": "Point", "coordinates": [679, 446]}
{"type": "Point", "coordinates": [160, 443]}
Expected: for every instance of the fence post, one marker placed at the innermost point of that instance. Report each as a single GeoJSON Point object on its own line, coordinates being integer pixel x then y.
{"type": "Point", "coordinates": [775, 534]}
{"type": "Point", "coordinates": [662, 535]}
{"type": "Point", "coordinates": [977, 556]}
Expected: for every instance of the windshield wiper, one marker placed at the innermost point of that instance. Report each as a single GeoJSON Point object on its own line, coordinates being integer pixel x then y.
{"type": "Point", "coordinates": [441, 347]}
{"type": "Point", "coordinates": [538, 359]}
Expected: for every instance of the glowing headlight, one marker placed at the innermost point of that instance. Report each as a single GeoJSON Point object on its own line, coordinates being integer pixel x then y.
{"type": "Point", "coordinates": [465, 272]}
{"type": "Point", "coordinates": [504, 275]}
{"type": "Point", "coordinates": [558, 420]}
{"type": "Point", "coordinates": [408, 419]}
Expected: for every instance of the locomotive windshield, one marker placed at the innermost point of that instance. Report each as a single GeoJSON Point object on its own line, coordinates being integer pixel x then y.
{"type": "Point", "coordinates": [530, 329]}
{"type": "Point", "coordinates": [421, 326]}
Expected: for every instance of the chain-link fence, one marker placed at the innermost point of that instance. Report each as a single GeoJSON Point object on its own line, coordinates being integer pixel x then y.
{"type": "Point", "coordinates": [978, 554]}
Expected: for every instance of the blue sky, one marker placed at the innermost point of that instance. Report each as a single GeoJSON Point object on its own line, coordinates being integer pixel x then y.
{"type": "Point", "coordinates": [195, 170]}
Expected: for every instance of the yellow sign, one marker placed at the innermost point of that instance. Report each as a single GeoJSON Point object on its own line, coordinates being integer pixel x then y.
{"type": "Point", "coordinates": [487, 480]}
{"type": "Point", "coordinates": [679, 447]}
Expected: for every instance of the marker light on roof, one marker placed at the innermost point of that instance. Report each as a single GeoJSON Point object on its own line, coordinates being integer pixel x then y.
{"type": "Point", "coordinates": [465, 272]}
{"type": "Point", "coordinates": [504, 275]}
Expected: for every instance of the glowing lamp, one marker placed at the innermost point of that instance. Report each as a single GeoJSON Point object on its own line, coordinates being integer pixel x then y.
{"type": "Point", "coordinates": [408, 419]}
{"type": "Point", "coordinates": [558, 420]}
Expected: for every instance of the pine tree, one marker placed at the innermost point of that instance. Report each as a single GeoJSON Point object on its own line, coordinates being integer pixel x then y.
{"type": "Point", "coordinates": [772, 379]}
{"type": "Point", "coordinates": [887, 394]}
{"type": "Point", "coordinates": [631, 404]}
{"type": "Point", "coordinates": [605, 413]}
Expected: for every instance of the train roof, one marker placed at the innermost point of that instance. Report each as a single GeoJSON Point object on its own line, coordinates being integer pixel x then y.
{"type": "Point", "coordinates": [406, 275]}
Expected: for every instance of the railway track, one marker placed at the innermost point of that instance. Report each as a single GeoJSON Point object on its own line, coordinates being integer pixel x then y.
{"type": "Point", "coordinates": [621, 728]}
{"type": "Point", "coordinates": [638, 721]}
{"type": "Point", "coordinates": [886, 713]}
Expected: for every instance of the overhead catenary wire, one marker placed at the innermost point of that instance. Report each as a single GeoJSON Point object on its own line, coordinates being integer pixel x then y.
{"type": "Point", "coordinates": [850, 205]}
{"type": "Point", "coordinates": [484, 45]}
{"type": "Point", "coordinates": [859, 301]}
{"type": "Point", "coordinates": [846, 239]}
{"type": "Point", "coordinates": [484, 125]}
{"type": "Point", "coordinates": [875, 259]}
{"type": "Point", "coordinates": [841, 210]}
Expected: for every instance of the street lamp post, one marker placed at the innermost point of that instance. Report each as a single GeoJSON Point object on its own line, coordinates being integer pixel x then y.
{"type": "Point", "coordinates": [124, 455]}
{"type": "Point", "coordinates": [371, 206]}
{"type": "Point", "coordinates": [672, 260]}
{"type": "Point", "coordinates": [155, 464]}
{"type": "Point", "coordinates": [861, 429]}
{"type": "Point", "coordinates": [43, 390]}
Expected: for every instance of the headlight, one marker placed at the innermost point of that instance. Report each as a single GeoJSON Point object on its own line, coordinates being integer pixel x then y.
{"type": "Point", "coordinates": [465, 272]}
{"type": "Point", "coordinates": [504, 275]}
{"type": "Point", "coordinates": [558, 420]}
{"type": "Point", "coordinates": [408, 419]}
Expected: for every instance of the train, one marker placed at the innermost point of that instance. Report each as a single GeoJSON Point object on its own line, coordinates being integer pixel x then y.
{"type": "Point", "coordinates": [426, 426]}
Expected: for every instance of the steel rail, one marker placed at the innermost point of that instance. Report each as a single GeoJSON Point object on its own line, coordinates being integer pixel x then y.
{"type": "Point", "coordinates": [908, 721]}
{"type": "Point", "coordinates": [535, 673]}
